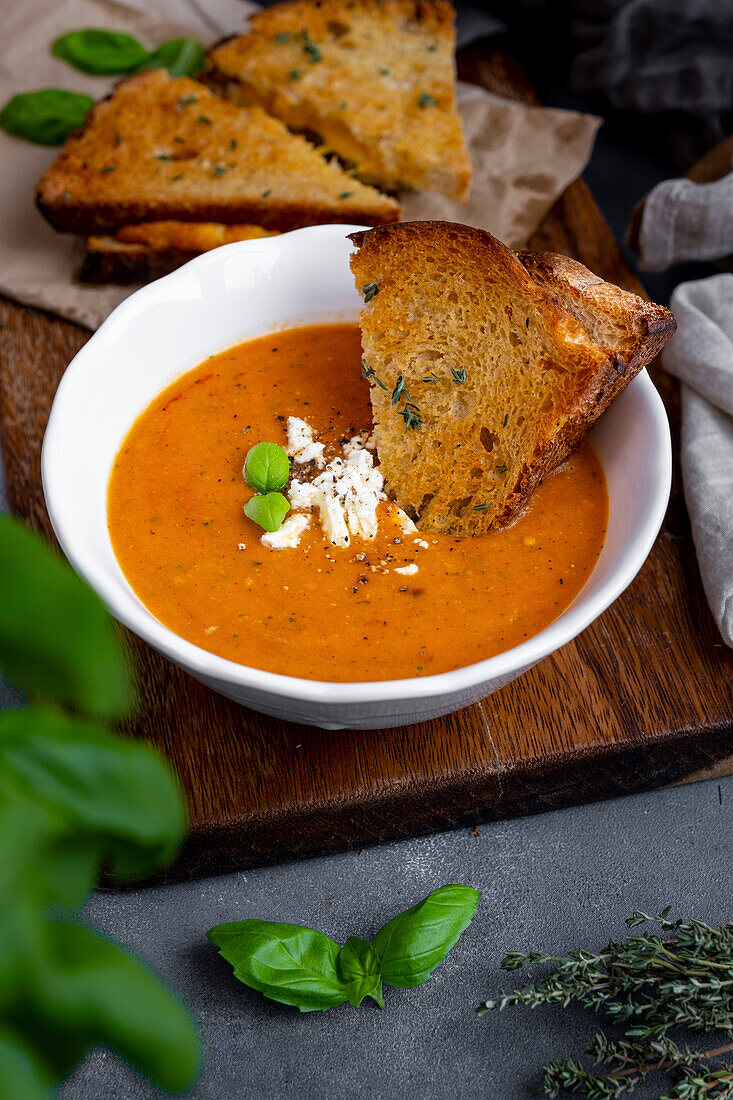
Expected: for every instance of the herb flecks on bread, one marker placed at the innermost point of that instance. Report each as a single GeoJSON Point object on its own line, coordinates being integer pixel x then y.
{"type": "Point", "coordinates": [161, 148]}
{"type": "Point", "coordinates": [374, 79]}
{"type": "Point", "coordinates": [487, 367]}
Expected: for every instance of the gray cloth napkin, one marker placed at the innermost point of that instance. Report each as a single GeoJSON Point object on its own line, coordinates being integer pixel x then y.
{"type": "Point", "coordinates": [657, 55]}
{"type": "Point", "coordinates": [683, 221]}
{"type": "Point", "coordinates": [701, 356]}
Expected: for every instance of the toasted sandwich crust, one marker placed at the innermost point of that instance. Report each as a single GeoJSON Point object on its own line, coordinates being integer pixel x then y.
{"type": "Point", "coordinates": [107, 260]}
{"type": "Point", "coordinates": [375, 80]}
{"type": "Point", "coordinates": [140, 253]}
{"type": "Point", "coordinates": [546, 346]}
{"type": "Point", "coordinates": [161, 148]}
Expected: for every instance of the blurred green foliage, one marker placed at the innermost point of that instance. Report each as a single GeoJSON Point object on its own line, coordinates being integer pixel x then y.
{"type": "Point", "coordinates": [73, 798]}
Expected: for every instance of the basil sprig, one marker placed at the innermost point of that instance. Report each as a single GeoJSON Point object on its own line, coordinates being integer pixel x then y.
{"type": "Point", "coordinates": [75, 797]}
{"type": "Point", "coordinates": [302, 967]}
{"type": "Point", "coordinates": [267, 469]}
{"type": "Point", "coordinates": [109, 53]}
{"type": "Point", "coordinates": [48, 116]}
{"type": "Point", "coordinates": [45, 117]}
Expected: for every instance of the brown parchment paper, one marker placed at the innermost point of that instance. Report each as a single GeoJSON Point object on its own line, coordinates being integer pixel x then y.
{"type": "Point", "coordinates": [523, 157]}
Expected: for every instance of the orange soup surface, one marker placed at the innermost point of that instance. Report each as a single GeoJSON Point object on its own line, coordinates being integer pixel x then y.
{"type": "Point", "coordinates": [317, 611]}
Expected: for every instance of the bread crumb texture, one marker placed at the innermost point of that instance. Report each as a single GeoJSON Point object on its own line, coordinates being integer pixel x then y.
{"type": "Point", "coordinates": [487, 368]}
{"type": "Point", "coordinates": [374, 79]}
{"type": "Point", "coordinates": [161, 148]}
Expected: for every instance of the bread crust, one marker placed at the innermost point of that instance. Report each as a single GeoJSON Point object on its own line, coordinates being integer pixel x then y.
{"type": "Point", "coordinates": [108, 261]}
{"type": "Point", "coordinates": [597, 336]}
{"type": "Point", "coordinates": [138, 128]}
{"type": "Point", "coordinates": [106, 217]}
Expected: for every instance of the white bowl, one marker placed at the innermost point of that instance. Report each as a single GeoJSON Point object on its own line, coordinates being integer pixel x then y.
{"type": "Point", "coordinates": [245, 290]}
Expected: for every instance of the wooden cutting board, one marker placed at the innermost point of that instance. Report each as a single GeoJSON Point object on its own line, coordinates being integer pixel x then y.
{"type": "Point", "coordinates": [644, 697]}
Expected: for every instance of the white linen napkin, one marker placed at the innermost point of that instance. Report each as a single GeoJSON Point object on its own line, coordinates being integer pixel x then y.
{"type": "Point", "coordinates": [684, 221]}
{"type": "Point", "coordinates": [701, 355]}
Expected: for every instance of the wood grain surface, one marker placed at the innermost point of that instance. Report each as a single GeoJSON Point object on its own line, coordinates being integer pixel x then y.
{"type": "Point", "coordinates": [642, 698]}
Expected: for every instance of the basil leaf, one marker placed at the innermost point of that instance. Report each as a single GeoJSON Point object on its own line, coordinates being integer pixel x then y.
{"type": "Point", "coordinates": [266, 467]}
{"type": "Point", "coordinates": [42, 867]}
{"type": "Point", "coordinates": [286, 962]}
{"type": "Point", "coordinates": [412, 944]}
{"type": "Point", "coordinates": [267, 511]}
{"type": "Point", "coordinates": [100, 52]}
{"type": "Point", "coordinates": [88, 990]}
{"type": "Point", "coordinates": [359, 967]}
{"type": "Point", "coordinates": [180, 56]}
{"type": "Point", "coordinates": [56, 640]}
{"type": "Point", "coordinates": [21, 1072]}
{"type": "Point", "coordinates": [116, 792]}
{"type": "Point", "coordinates": [45, 117]}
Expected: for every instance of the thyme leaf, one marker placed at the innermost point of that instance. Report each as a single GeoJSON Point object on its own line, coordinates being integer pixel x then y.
{"type": "Point", "coordinates": [399, 390]}
{"type": "Point", "coordinates": [371, 290]}
{"type": "Point", "coordinates": [427, 100]}
{"type": "Point", "coordinates": [459, 376]}
{"type": "Point", "coordinates": [411, 416]}
{"type": "Point", "coordinates": [368, 372]}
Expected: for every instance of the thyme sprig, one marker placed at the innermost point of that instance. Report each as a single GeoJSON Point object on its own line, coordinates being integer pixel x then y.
{"type": "Point", "coordinates": [648, 985]}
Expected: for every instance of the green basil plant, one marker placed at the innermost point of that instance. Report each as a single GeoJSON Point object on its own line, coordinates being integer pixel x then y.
{"type": "Point", "coordinates": [75, 797]}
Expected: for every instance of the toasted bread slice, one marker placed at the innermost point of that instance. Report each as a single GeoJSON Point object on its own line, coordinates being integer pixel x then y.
{"type": "Point", "coordinates": [162, 148]}
{"type": "Point", "coordinates": [374, 79]}
{"type": "Point", "coordinates": [140, 253]}
{"type": "Point", "coordinates": [495, 366]}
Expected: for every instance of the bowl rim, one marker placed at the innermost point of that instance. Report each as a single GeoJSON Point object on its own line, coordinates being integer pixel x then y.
{"type": "Point", "coordinates": [127, 608]}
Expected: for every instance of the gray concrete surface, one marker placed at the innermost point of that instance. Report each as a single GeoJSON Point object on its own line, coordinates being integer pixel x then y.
{"type": "Point", "coordinates": [549, 882]}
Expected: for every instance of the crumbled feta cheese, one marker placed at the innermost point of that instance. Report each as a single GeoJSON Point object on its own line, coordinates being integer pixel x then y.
{"type": "Point", "coordinates": [288, 535]}
{"type": "Point", "coordinates": [302, 444]}
{"type": "Point", "coordinates": [242, 546]}
{"type": "Point", "coordinates": [346, 495]}
{"type": "Point", "coordinates": [421, 542]}
{"type": "Point", "coordinates": [363, 441]}
{"type": "Point", "coordinates": [403, 520]}
{"type": "Point", "coordinates": [408, 570]}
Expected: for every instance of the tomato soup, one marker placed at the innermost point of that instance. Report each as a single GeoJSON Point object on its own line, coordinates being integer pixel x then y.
{"type": "Point", "coordinates": [315, 610]}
